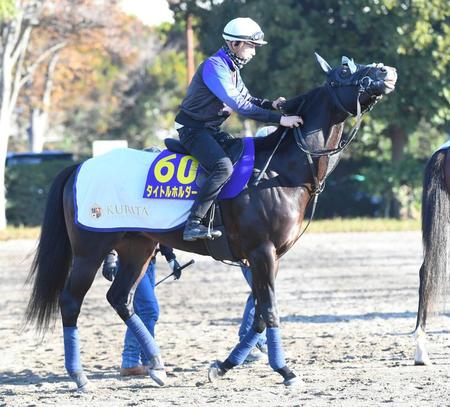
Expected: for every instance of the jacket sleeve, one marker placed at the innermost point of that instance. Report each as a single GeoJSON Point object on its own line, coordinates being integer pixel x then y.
{"type": "Point", "coordinates": [264, 103]}
{"type": "Point", "coordinates": [217, 78]}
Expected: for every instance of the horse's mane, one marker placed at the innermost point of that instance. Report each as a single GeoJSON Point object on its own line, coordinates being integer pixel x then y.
{"type": "Point", "coordinates": [294, 106]}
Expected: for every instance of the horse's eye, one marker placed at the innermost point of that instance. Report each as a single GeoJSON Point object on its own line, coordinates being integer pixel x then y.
{"type": "Point", "coordinates": [383, 69]}
{"type": "Point", "coordinates": [345, 72]}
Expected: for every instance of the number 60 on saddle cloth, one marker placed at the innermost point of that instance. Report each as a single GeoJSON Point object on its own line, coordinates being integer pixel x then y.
{"type": "Point", "coordinates": [178, 176]}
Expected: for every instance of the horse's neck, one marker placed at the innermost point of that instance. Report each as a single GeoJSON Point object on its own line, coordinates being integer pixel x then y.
{"type": "Point", "coordinates": [322, 130]}
{"type": "Point", "coordinates": [321, 121]}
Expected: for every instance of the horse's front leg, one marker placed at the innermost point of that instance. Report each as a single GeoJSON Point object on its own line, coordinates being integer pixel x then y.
{"type": "Point", "coordinates": [264, 269]}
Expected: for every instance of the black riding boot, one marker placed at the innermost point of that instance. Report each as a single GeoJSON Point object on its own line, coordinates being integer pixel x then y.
{"type": "Point", "coordinates": [195, 230]}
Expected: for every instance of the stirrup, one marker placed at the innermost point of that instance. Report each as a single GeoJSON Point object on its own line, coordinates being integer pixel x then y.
{"type": "Point", "coordinates": [195, 230]}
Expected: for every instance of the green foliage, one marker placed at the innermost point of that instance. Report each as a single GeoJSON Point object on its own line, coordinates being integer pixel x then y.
{"type": "Point", "coordinates": [94, 116]}
{"type": "Point", "coordinates": [412, 36]}
{"type": "Point", "coordinates": [27, 187]}
{"type": "Point", "coordinates": [339, 225]}
{"type": "Point", "coordinates": [397, 184]}
{"type": "Point", "coordinates": [7, 9]}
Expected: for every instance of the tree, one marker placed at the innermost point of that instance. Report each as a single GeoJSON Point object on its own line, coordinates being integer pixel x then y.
{"type": "Point", "coordinates": [18, 20]}
{"type": "Point", "coordinates": [414, 36]}
{"type": "Point", "coordinates": [103, 47]}
{"type": "Point", "coordinates": [150, 103]}
{"type": "Point", "coordinates": [64, 57]}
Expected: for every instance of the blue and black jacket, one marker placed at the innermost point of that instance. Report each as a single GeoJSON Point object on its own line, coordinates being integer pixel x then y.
{"type": "Point", "coordinates": [218, 81]}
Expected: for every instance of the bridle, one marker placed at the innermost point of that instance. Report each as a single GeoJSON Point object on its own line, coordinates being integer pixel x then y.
{"type": "Point", "coordinates": [364, 85]}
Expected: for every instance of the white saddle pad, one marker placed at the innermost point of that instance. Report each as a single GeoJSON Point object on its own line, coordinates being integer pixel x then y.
{"type": "Point", "coordinates": [109, 195]}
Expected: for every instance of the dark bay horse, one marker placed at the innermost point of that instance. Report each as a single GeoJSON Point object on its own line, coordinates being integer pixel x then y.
{"type": "Point", "coordinates": [262, 224]}
{"type": "Point", "coordinates": [435, 235]}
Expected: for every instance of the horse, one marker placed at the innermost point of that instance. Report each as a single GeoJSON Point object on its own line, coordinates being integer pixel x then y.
{"type": "Point", "coordinates": [435, 234]}
{"type": "Point", "coordinates": [262, 223]}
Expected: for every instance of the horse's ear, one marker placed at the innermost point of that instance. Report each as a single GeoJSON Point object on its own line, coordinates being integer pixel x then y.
{"type": "Point", "coordinates": [323, 64]}
{"type": "Point", "coordinates": [349, 62]}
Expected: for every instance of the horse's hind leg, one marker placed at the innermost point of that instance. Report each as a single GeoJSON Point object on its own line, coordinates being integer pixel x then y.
{"type": "Point", "coordinates": [71, 298]}
{"type": "Point", "coordinates": [421, 356]}
{"type": "Point", "coordinates": [134, 256]}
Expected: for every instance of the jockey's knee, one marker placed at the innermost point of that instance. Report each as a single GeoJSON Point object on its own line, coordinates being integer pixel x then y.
{"type": "Point", "coordinates": [224, 167]}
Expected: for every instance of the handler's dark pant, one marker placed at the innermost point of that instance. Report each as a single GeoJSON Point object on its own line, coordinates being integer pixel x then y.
{"type": "Point", "coordinates": [202, 144]}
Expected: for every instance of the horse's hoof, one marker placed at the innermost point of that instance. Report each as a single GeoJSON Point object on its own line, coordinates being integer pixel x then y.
{"type": "Point", "coordinates": [82, 382]}
{"type": "Point", "coordinates": [254, 355]}
{"type": "Point", "coordinates": [215, 371]}
{"type": "Point", "coordinates": [421, 357]}
{"type": "Point", "coordinates": [159, 376]}
{"type": "Point", "coordinates": [157, 370]}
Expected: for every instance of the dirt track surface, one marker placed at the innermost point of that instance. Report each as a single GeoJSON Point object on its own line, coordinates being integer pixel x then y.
{"type": "Point", "coordinates": [347, 301]}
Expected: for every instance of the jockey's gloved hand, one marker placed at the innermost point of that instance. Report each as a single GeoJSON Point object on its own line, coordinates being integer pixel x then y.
{"type": "Point", "coordinates": [110, 265]}
{"type": "Point", "coordinates": [176, 268]}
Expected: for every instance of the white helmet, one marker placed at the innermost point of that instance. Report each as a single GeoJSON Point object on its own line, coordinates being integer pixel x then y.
{"type": "Point", "coordinates": [244, 29]}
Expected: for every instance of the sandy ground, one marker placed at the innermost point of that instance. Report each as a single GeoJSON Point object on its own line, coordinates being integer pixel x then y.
{"type": "Point", "coordinates": [347, 301]}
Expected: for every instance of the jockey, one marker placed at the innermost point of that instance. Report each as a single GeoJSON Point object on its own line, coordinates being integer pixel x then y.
{"type": "Point", "coordinates": [215, 90]}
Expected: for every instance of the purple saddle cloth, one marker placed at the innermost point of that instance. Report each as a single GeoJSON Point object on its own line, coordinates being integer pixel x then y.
{"type": "Point", "coordinates": [242, 171]}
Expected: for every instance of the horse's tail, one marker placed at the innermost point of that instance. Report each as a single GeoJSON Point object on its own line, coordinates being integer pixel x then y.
{"type": "Point", "coordinates": [435, 230]}
{"type": "Point", "coordinates": [52, 259]}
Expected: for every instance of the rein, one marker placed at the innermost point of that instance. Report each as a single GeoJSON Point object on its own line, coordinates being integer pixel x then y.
{"type": "Point", "coordinates": [299, 139]}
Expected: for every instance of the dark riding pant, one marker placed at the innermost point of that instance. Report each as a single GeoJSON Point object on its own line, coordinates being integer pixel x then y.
{"type": "Point", "coordinates": [203, 145]}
